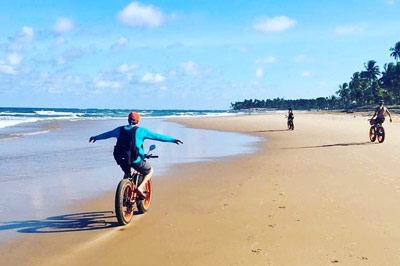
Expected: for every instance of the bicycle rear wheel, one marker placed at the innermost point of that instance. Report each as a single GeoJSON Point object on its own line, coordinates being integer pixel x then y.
{"type": "Point", "coordinates": [381, 134]}
{"type": "Point", "coordinates": [143, 205]}
{"type": "Point", "coordinates": [372, 135]}
{"type": "Point", "coordinates": [124, 207]}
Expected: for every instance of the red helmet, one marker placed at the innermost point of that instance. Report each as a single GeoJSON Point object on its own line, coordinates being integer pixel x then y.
{"type": "Point", "coordinates": [134, 116]}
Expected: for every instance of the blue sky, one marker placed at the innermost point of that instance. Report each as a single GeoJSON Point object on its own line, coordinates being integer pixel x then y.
{"type": "Point", "coordinates": [186, 54]}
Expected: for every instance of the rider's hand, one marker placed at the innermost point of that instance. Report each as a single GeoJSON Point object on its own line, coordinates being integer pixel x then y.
{"type": "Point", "coordinates": [92, 139]}
{"type": "Point", "coordinates": [178, 141]}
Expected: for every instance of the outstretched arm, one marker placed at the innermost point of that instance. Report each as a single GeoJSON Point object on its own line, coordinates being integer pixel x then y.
{"type": "Point", "coordinates": [106, 135]}
{"type": "Point", "coordinates": [374, 114]}
{"type": "Point", "coordinates": [390, 115]}
{"type": "Point", "coordinates": [155, 136]}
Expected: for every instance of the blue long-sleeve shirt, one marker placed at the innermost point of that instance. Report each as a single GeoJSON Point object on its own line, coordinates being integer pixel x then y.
{"type": "Point", "coordinates": [140, 135]}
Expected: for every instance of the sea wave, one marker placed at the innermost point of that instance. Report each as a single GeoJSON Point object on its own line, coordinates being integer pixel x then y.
{"type": "Point", "coordinates": [8, 121]}
{"type": "Point", "coordinates": [14, 116]}
{"type": "Point", "coordinates": [56, 113]}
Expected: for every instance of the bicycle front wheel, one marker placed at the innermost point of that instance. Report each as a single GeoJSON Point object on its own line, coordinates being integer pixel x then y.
{"type": "Point", "coordinates": [372, 135]}
{"type": "Point", "coordinates": [124, 206]}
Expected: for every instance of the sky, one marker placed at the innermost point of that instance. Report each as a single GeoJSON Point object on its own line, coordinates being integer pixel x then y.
{"type": "Point", "coordinates": [179, 54]}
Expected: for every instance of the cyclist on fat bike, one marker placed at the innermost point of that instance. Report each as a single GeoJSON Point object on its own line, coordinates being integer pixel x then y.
{"type": "Point", "coordinates": [290, 115]}
{"type": "Point", "coordinates": [380, 113]}
{"type": "Point", "coordinates": [128, 152]}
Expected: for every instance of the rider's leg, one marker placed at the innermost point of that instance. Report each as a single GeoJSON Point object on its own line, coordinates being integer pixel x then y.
{"type": "Point", "coordinates": [126, 169]}
{"type": "Point", "coordinates": [144, 168]}
{"type": "Point", "coordinates": [145, 180]}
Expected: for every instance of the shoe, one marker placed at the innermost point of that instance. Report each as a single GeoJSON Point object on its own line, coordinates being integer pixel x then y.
{"type": "Point", "coordinates": [141, 194]}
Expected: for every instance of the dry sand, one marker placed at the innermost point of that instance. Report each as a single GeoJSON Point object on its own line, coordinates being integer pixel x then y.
{"type": "Point", "coordinates": [320, 195]}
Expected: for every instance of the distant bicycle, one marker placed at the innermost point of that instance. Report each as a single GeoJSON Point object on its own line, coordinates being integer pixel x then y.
{"type": "Point", "coordinates": [376, 131]}
{"type": "Point", "coordinates": [290, 124]}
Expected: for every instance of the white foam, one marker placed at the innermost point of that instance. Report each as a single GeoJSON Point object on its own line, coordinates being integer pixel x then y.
{"type": "Point", "coordinates": [8, 121]}
{"type": "Point", "coordinates": [13, 113]}
{"type": "Point", "coordinates": [55, 113]}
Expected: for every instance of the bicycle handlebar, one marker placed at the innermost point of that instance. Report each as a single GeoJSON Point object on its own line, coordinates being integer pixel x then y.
{"type": "Point", "coordinates": [151, 156]}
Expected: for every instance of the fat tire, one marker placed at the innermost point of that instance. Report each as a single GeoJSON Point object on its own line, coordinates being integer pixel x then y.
{"type": "Point", "coordinates": [119, 197]}
{"type": "Point", "coordinates": [381, 137]}
{"type": "Point", "coordinates": [141, 207]}
{"type": "Point", "coordinates": [372, 135]}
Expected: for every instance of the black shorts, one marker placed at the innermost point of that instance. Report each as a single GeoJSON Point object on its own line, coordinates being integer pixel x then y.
{"type": "Point", "coordinates": [142, 167]}
{"type": "Point", "coordinates": [379, 120]}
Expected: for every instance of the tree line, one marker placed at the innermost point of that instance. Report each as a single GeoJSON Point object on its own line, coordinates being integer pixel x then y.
{"type": "Point", "coordinates": [365, 87]}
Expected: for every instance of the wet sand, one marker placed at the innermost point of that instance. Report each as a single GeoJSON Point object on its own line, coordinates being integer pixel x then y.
{"type": "Point", "coordinates": [320, 195]}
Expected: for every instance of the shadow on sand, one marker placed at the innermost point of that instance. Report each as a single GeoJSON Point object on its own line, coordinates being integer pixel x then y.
{"type": "Point", "coordinates": [269, 131]}
{"type": "Point", "coordinates": [332, 145]}
{"type": "Point", "coordinates": [64, 223]}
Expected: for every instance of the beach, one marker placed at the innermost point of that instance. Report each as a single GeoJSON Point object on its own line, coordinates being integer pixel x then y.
{"type": "Point", "coordinates": [322, 194]}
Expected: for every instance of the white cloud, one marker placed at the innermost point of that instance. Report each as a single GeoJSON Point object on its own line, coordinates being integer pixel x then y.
{"type": "Point", "coordinates": [102, 83]}
{"type": "Point", "coordinates": [120, 44]}
{"type": "Point", "coordinates": [63, 25]}
{"type": "Point", "coordinates": [390, 2]}
{"type": "Point", "coordinates": [21, 39]}
{"type": "Point", "coordinates": [275, 24]}
{"type": "Point", "coordinates": [190, 68]}
{"type": "Point", "coordinates": [306, 74]}
{"type": "Point", "coordinates": [6, 69]}
{"type": "Point", "coordinates": [259, 73]}
{"type": "Point", "coordinates": [151, 78]}
{"type": "Point", "coordinates": [14, 59]}
{"type": "Point", "coordinates": [61, 60]}
{"type": "Point", "coordinates": [266, 60]}
{"type": "Point", "coordinates": [302, 58]}
{"type": "Point", "coordinates": [139, 15]}
{"type": "Point", "coordinates": [124, 68]}
{"type": "Point", "coordinates": [323, 83]}
{"type": "Point", "coordinates": [27, 32]}
{"type": "Point", "coordinates": [74, 53]}
{"type": "Point", "coordinates": [348, 29]}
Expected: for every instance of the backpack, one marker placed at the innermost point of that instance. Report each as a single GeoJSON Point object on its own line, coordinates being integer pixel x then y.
{"type": "Point", "coordinates": [125, 151]}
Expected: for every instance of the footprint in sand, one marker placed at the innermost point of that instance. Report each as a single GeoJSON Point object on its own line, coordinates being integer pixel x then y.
{"type": "Point", "coordinates": [272, 225]}
{"type": "Point", "coordinates": [226, 204]}
{"type": "Point", "coordinates": [256, 251]}
{"type": "Point", "coordinates": [364, 258]}
{"type": "Point", "coordinates": [334, 261]}
{"type": "Point", "coordinates": [282, 207]}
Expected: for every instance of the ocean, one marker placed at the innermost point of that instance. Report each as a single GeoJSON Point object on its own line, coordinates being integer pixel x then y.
{"type": "Point", "coordinates": [47, 163]}
{"type": "Point", "coordinates": [11, 116]}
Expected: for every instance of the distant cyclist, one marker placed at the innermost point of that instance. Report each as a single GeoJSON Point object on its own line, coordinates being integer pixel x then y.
{"type": "Point", "coordinates": [290, 118]}
{"type": "Point", "coordinates": [380, 113]}
{"type": "Point", "coordinates": [290, 114]}
{"type": "Point", "coordinates": [128, 152]}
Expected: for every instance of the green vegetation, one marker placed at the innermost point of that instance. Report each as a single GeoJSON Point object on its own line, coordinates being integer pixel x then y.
{"type": "Point", "coordinates": [364, 88]}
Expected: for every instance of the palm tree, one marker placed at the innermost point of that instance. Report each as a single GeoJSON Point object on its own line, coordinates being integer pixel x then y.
{"type": "Point", "coordinates": [344, 93]}
{"type": "Point", "coordinates": [372, 71]}
{"type": "Point", "coordinates": [395, 51]}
